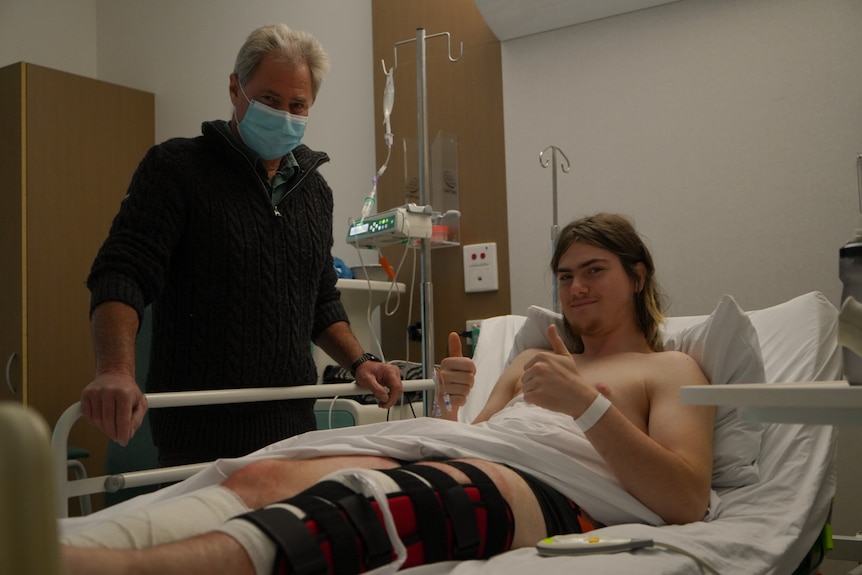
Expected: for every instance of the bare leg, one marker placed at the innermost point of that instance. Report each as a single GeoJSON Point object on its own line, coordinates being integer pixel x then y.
{"type": "Point", "coordinates": [204, 554]}
{"type": "Point", "coordinates": [271, 480]}
{"type": "Point", "coordinates": [205, 510]}
{"type": "Point", "coordinates": [268, 481]}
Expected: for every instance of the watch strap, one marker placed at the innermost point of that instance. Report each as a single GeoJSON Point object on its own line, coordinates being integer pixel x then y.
{"type": "Point", "coordinates": [362, 359]}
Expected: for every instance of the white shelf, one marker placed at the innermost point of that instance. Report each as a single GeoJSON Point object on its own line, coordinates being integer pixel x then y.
{"type": "Point", "coordinates": [821, 402]}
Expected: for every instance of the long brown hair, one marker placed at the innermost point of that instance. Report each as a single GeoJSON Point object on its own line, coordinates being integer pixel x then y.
{"type": "Point", "coordinates": [616, 234]}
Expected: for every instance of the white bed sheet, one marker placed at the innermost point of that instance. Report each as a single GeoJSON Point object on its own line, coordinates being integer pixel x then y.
{"type": "Point", "coordinates": [764, 528]}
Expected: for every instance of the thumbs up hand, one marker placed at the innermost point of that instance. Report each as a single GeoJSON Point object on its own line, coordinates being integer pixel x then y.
{"type": "Point", "coordinates": [455, 345]}
{"type": "Point", "coordinates": [557, 343]}
{"type": "Point", "coordinates": [551, 378]}
{"type": "Point", "coordinates": [457, 374]}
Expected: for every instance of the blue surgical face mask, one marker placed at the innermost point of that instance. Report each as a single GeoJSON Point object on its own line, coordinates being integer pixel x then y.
{"type": "Point", "coordinates": [269, 132]}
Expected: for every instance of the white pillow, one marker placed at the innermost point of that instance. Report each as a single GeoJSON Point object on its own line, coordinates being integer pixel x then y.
{"type": "Point", "coordinates": [534, 333]}
{"type": "Point", "coordinates": [726, 347]}
{"type": "Point", "coordinates": [805, 329]}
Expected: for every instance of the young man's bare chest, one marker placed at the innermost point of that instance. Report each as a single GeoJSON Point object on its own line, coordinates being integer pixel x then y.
{"type": "Point", "coordinates": [625, 379]}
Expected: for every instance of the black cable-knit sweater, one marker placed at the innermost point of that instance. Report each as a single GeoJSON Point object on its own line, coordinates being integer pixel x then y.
{"type": "Point", "coordinates": [239, 289]}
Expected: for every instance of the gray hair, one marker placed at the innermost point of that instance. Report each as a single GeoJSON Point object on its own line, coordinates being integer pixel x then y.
{"type": "Point", "coordinates": [291, 46]}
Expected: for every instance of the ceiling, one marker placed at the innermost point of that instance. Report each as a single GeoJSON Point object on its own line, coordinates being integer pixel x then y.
{"type": "Point", "coordinates": [515, 18]}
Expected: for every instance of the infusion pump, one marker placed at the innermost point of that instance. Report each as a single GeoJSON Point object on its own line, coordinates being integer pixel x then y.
{"type": "Point", "coordinates": [395, 226]}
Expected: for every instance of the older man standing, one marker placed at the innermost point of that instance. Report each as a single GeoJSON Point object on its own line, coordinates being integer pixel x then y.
{"type": "Point", "coordinates": [228, 235]}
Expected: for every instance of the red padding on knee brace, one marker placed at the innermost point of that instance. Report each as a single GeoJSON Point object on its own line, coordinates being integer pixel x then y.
{"type": "Point", "coordinates": [405, 520]}
{"type": "Point", "coordinates": [415, 549]}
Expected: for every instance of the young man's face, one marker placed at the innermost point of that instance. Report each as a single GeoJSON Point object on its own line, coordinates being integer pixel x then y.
{"type": "Point", "coordinates": [596, 293]}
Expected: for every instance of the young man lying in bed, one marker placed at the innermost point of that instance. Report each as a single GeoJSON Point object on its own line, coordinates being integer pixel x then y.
{"type": "Point", "coordinates": [565, 442]}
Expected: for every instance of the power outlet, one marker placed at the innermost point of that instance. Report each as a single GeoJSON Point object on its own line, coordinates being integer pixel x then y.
{"type": "Point", "coordinates": [473, 324]}
{"type": "Point", "coordinates": [480, 268]}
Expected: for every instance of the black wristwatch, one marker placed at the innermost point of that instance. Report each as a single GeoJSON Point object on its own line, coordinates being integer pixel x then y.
{"type": "Point", "coordinates": [362, 359]}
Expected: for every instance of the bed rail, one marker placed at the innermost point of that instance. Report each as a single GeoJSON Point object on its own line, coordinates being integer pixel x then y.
{"type": "Point", "coordinates": [67, 488]}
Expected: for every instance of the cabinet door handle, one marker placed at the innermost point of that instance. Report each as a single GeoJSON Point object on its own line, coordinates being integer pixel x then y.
{"type": "Point", "coordinates": [9, 374]}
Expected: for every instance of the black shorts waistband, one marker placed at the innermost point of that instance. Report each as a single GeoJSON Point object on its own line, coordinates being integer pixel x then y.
{"type": "Point", "coordinates": [561, 514]}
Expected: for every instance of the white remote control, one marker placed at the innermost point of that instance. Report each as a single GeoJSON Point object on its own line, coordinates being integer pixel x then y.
{"type": "Point", "coordinates": [584, 544]}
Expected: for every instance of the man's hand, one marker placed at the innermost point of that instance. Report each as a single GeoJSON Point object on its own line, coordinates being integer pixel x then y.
{"type": "Point", "coordinates": [381, 379]}
{"type": "Point", "coordinates": [113, 402]}
{"type": "Point", "coordinates": [552, 380]}
{"type": "Point", "coordinates": [457, 375]}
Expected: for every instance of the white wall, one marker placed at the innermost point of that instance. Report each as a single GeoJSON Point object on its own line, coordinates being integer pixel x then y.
{"type": "Point", "coordinates": [728, 130]}
{"type": "Point", "coordinates": [59, 34]}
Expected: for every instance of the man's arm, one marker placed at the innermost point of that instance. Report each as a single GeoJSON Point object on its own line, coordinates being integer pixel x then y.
{"type": "Point", "coordinates": [113, 402]}
{"type": "Point", "coordinates": [669, 469]}
{"type": "Point", "coordinates": [382, 379]}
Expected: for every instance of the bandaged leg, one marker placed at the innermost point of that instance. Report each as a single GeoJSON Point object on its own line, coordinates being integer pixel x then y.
{"type": "Point", "coordinates": [190, 515]}
{"type": "Point", "coordinates": [358, 520]}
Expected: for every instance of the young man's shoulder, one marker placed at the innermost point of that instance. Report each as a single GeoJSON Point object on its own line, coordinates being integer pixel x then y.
{"type": "Point", "coordinates": [674, 356]}
{"type": "Point", "coordinates": [676, 366]}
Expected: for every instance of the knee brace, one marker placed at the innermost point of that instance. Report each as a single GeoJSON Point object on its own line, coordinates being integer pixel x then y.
{"type": "Point", "coordinates": [345, 523]}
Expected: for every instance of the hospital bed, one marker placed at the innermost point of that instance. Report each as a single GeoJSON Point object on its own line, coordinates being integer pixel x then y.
{"type": "Point", "coordinates": [775, 482]}
{"type": "Point", "coordinates": [777, 493]}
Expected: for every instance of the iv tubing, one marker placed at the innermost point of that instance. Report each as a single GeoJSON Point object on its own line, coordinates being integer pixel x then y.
{"type": "Point", "coordinates": [388, 101]}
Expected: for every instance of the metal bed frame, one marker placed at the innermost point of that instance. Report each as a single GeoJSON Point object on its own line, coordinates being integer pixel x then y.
{"type": "Point", "coordinates": [67, 489]}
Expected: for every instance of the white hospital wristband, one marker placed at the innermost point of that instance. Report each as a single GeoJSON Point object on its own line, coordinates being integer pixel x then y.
{"type": "Point", "coordinates": [593, 413]}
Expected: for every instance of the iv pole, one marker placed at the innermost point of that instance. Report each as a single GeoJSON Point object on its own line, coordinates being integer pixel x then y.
{"type": "Point", "coordinates": [427, 292]}
{"type": "Point", "coordinates": [555, 229]}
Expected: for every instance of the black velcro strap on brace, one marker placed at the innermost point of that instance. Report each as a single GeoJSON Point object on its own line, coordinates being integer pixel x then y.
{"type": "Point", "coordinates": [337, 530]}
{"type": "Point", "coordinates": [295, 543]}
{"type": "Point", "coordinates": [378, 548]}
{"type": "Point", "coordinates": [342, 538]}
{"type": "Point", "coordinates": [298, 548]}
{"type": "Point", "coordinates": [459, 508]}
{"type": "Point", "coordinates": [428, 512]}
{"type": "Point", "coordinates": [365, 522]}
{"type": "Point", "coordinates": [500, 525]}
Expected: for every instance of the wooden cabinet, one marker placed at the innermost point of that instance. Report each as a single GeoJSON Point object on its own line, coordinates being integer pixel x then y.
{"type": "Point", "coordinates": [68, 148]}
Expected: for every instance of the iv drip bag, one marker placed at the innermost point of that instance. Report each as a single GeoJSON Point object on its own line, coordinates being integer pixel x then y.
{"type": "Point", "coordinates": [388, 95]}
